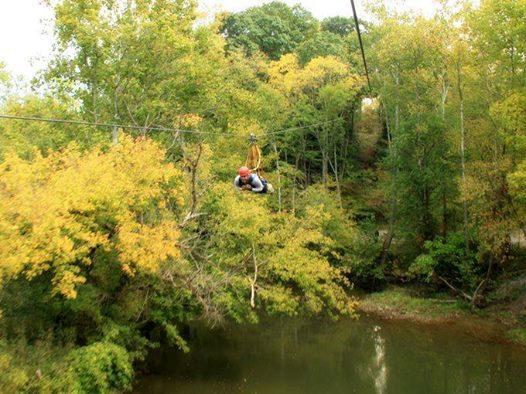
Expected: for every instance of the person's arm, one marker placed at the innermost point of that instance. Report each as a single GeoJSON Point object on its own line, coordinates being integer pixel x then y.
{"type": "Point", "coordinates": [257, 185]}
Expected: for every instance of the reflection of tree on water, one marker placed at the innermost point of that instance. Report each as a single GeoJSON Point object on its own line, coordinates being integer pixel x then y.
{"type": "Point", "coordinates": [295, 356]}
{"type": "Point", "coordinates": [378, 367]}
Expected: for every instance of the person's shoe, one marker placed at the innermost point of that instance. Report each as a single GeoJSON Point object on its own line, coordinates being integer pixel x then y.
{"type": "Point", "coordinates": [270, 188]}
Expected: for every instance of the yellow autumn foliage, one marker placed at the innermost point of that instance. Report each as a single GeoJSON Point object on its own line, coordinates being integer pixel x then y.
{"type": "Point", "coordinates": [187, 120]}
{"type": "Point", "coordinates": [283, 74]}
{"type": "Point", "coordinates": [287, 76]}
{"type": "Point", "coordinates": [294, 274]}
{"type": "Point", "coordinates": [55, 211]}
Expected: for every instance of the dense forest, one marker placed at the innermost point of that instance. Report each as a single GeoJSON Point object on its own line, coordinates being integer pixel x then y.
{"type": "Point", "coordinates": [114, 239]}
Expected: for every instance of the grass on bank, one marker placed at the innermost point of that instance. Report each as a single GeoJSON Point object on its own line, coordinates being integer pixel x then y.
{"type": "Point", "coordinates": [517, 335]}
{"type": "Point", "coordinates": [404, 303]}
{"type": "Point", "coordinates": [408, 304]}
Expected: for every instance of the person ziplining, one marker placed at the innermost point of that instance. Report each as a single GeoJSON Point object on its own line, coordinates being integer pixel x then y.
{"type": "Point", "coordinates": [248, 181]}
{"type": "Point", "coordinates": [248, 178]}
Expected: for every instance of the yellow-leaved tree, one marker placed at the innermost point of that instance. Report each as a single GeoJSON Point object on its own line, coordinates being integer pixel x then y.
{"type": "Point", "coordinates": [277, 261]}
{"type": "Point", "coordinates": [56, 211]}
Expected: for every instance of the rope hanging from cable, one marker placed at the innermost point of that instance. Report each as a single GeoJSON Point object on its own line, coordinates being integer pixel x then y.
{"type": "Point", "coordinates": [254, 155]}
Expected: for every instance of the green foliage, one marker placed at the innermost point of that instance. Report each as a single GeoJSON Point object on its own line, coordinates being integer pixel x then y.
{"type": "Point", "coordinates": [497, 29]}
{"type": "Point", "coordinates": [110, 250]}
{"type": "Point", "coordinates": [354, 248]}
{"type": "Point", "coordinates": [274, 28]}
{"type": "Point", "coordinates": [290, 255]}
{"type": "Point", "coordinates": [101, 368]}
{"type": "Point", "coordinates": [518, 183]}
{"type": "Point", "coordinates": [12, 379]}
{"type": "Point", "coordinates": [321, 93]}
{"type": "Point", "coordinates": [510, 115]}
{"type": "Point", "coordinates": [448, 259]}
{"type": "Point", "coordinates": [37, 367]}
{"type": "Point", "coordinates": [518, 335]}
{"type": "Point", "coordinates": [29, 316]}
{"type": "Point", "coordinates": [23, 138]}
{"type": "Point", "coordinates": [4, 83]}
{"type": "Point", "coordinates": [4, 76]}
{"type": "Point", "coordinates": [402, 303]}
{"type": "Point", "coordinates": [324, 43]}
{"type": "Point", "coordinates": [339, 25]}
{"type": "Point", "coordinates": [142, 63]}
{"type": "Point", "coordinates": [174, 338]}
{"type": "Point", "coordinates": [411, 53]}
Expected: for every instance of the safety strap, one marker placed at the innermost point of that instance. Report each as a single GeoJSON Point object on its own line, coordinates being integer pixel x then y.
{"type": "Point", "coordinates": [254, 158]}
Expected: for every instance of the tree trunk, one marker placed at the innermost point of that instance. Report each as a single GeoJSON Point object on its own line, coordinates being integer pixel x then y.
{"type": "Point", "coordinates": [394, 206]}
{"type": "Point", "coordinates": [463, 152]}
{"type": "Point", "coordinates": [254, 279]}
{"type": "Point", "coordinates": [427, 230]}
{"type": "Point", "coordinates": [482, 286]}
{"type": "Point", "coordinates": [279, 176]}
{"type": "Point", "coordinates": [294, 187]}
{"type": "Point", "coordinates": [115, 133]}
{"type": "Point", "coordinates": [324, 167]}
{"type": "Point", "coordinates": [444, 93]}
{"type": "Point", "coordinates": [337, 177]}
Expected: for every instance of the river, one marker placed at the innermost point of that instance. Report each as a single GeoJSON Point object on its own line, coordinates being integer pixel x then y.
{"type": "Point", "coordinates": [351, 356]}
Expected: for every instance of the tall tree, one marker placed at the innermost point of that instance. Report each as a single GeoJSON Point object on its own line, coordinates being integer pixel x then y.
{"type": "Point", "coordinates": [408, 53]}
{"type": "Point", "coordinates": [339, 25]}
{"type": "Point", "coordinates": [323, 43]}
{"type": "Point", "coordinates": [274, 29]}
{"type": "Point", "coordinates": [135, 62]}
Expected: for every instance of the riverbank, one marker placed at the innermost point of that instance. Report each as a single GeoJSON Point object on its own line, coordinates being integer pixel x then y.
{"type": "Point", "coordinates": [499, 322]}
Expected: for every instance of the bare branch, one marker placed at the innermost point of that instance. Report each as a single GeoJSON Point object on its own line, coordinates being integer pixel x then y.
{"type": "Point", "coordinates": [458, 291]}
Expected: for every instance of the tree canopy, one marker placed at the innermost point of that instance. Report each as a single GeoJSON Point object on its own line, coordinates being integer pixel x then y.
{"type": "Point", "coordinates": [113, 241]}
{"type": "Point", "coordinates": [274, 29]}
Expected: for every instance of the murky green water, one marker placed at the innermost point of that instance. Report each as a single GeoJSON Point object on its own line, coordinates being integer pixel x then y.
{"type": "Point", "coordinates": [359, 356]}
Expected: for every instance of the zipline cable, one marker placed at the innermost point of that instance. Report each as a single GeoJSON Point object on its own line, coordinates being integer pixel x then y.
{"type": "Point", "coordinates": [152, 128]}
{"type": "Point", "coordinates": [158, 128]}
{"type": "Point", "coordinates": [107, 125]}
{"type": "Point", "coordinates": [255, 151]}
{"type": "Point", "coordinates": [302, 127]}
{"type": "Point", "coordinates": [361, 43]}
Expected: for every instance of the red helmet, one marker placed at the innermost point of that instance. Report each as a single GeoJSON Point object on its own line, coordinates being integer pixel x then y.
{"type": "Point", "coordinates": [244, 171]}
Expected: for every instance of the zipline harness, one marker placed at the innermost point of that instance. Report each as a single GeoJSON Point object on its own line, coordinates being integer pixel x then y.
{"type": "Point", "coordinates": [253, 161]}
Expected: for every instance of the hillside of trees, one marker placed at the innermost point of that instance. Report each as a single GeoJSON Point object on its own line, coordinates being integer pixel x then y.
{"type": "Point", "coordinates": [112, 240]}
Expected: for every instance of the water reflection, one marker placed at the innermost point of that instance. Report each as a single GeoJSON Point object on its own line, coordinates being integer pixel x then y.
{"type": "Point", "coordinates": [363, 356]}
{"type": "Point", "coordinates": [379, 365]}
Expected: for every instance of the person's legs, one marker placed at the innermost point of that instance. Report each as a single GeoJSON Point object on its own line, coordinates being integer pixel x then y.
{"type": "Point", "coordinates": [268, 188]}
